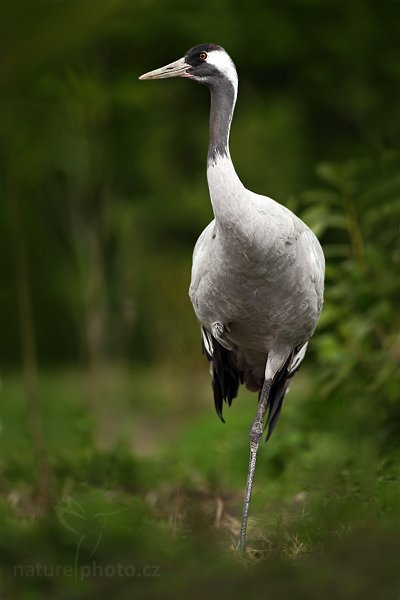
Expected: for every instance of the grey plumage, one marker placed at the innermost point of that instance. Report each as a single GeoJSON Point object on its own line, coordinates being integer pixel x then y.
{"type": "Point", "coordinates": [258, 270]}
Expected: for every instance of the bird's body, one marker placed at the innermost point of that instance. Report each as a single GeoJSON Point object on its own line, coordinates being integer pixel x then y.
{"type": "Point", "coordinates": [249, 272]}
{"type": "Point", "coordinates": [258, 270]}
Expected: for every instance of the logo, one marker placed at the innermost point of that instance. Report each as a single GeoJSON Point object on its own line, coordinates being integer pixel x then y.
{"type": "Point", "coordinates": [88, 528]}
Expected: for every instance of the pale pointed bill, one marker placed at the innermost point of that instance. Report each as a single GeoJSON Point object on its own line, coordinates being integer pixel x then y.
{"type": "Point", "coordinates": [178, 68]}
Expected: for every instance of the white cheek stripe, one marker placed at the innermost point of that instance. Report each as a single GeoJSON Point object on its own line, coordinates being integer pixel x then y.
{"type": "Point", "coordinates": [223, 62]}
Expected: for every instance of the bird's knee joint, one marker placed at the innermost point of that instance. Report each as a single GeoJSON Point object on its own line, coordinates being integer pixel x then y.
{"type": "Point", "coordinates": [256, 432]}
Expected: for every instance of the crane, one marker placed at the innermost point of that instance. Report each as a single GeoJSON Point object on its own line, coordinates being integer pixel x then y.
{"type": "Point", "coordinates": [258, 270]}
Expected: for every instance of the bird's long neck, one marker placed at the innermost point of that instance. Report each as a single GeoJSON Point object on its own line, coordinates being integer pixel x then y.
{"type": "Point", "coordinates": [223, 99]}
{"type": "Point", "coordinates": [224, 184]}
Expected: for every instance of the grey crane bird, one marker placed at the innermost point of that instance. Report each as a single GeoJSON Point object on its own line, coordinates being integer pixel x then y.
{"type": "Point", "coordinates": [258, 270]}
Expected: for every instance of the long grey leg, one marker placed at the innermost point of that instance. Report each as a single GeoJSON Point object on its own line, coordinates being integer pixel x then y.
{"type": "Point", "coordinates": [256, 432]}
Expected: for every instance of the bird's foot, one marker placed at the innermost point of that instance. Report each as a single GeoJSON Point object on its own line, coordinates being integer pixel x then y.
{"type": "Point", "coordinates": [218, 329]}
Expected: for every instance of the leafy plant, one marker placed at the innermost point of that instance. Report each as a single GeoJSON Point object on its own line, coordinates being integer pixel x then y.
{"type": "Point", "coordinates": [357, 216]}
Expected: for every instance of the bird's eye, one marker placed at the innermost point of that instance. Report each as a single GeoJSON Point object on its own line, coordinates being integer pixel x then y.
{"type": "Point", "coordinates": [203, 55]}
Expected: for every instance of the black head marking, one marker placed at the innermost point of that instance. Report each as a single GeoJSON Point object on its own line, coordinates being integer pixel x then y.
{"type": "Point", "coordinates": [192, 56]}
{"type": "Point", "coordinates": [201, 70]}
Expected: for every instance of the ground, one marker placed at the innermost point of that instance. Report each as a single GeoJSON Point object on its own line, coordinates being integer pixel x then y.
{"type": "Point", "coordinates": [146, 492]}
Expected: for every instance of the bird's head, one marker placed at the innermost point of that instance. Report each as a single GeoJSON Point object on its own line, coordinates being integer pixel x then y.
{"type": "Point", "coordinates": [208, 64]}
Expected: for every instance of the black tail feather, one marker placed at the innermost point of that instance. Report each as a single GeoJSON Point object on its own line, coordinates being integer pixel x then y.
{"type": "Point", "coordinates": [226, 377]}
{"type": "Point", "coordinates": [277, 394]}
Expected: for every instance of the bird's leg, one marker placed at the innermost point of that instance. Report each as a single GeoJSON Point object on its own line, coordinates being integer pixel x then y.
{"type": "Point", "coordinates": [256, 432]}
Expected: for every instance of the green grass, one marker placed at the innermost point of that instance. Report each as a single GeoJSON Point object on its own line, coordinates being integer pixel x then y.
{"type": "Point", "coordinates": [146, 479]}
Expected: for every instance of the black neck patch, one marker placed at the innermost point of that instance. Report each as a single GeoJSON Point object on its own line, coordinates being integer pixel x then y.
{"type": "Point", "coordinates": [223, 98]}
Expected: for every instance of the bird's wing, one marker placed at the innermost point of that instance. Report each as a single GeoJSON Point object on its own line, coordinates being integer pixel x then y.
{"type": "Point", "coordinates": [314, 261]}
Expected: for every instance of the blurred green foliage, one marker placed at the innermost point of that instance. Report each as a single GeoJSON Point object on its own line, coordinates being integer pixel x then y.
{"type": "Point", "coordinates": [102, 196]}
{"type": "Point", "coordinates": [358, 344]}
{"type": "Point", "coordinates": [110, 171]}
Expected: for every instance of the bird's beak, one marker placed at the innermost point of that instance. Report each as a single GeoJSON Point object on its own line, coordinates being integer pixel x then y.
{"type": "Point", "coordinates": [178, 68]}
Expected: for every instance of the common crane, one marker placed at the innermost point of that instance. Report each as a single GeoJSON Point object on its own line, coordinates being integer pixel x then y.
{"type": "Point", "coordinates": [258, 270]}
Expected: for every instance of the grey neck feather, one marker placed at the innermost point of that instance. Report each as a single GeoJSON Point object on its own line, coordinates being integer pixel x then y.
{"type": "Point", "coordinates": [223, 98]}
